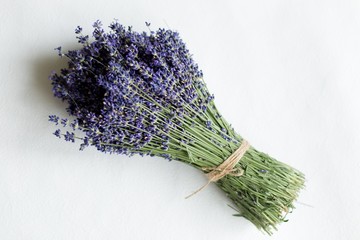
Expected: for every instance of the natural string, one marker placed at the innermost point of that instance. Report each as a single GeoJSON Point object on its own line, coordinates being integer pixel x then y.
{"type": "Point", "coordinates": [226, 168]}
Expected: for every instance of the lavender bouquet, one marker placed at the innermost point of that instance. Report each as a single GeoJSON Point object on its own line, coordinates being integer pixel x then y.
{"type": "Point", "coordinates": [142, 93]}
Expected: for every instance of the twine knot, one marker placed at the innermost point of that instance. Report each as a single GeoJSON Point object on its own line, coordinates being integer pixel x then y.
{"type": "Point", "coordinates": [225, 168]}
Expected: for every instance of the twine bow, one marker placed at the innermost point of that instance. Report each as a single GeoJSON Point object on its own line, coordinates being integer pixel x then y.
{"type": "Point", "coordinates": [225, 168]}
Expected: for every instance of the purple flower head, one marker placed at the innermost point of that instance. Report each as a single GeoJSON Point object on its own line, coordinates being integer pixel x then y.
{"type": "Point", "coordinates": [208, 124]}
{"type": "Point", "coordinates": [97, 24]}
{"type": "Point", "coordinates": [58, 49]}
{"type": "Point", "coordinates": [74, 124]}
{"type": "Point", "coordinates": [54, 119]}
{"type": "Point", "coordinates": [78, 30]}
{"type": "Point", "coordinates": [64, 122]}
{"type": "Point", "coordinates": [57, 133]}
{"type": "Point", "coordinates": [129, 90]}
{"type": "Point", "coordinates": [83, 39]}
{"type": "Point", "coordinates": [69, 137]}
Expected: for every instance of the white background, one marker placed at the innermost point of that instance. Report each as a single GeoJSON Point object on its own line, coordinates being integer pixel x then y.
{"type": "Point", "coordinates": [285, 74]}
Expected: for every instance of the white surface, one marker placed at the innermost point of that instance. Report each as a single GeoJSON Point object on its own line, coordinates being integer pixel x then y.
{"type": "Point", "coordinates": [285, 73]}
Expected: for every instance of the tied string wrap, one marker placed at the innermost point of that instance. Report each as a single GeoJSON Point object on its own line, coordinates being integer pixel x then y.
{"type": "Point", "coordinates": [226, 168]}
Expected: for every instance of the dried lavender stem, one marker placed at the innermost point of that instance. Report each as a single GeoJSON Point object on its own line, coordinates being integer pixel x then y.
{"type": "Point", "coordinates": [139, 93]}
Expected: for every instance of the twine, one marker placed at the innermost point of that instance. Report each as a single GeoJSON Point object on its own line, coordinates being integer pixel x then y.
{"type": "Point", "coordinates": [226, 168]}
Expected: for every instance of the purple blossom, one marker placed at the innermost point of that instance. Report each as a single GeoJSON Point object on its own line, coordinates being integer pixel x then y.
{"type": "Point", "coordinates": [74, 125]}
{"type": "Point", "coordinates": [70, 137]}
{"type": "Point", "coordinates": [57, 133]}
{"type": "Point", "coordinates": [97, 24]}
{"type": "Point", "coordinates": [127, 90]}
{"type": "Point", "coordinates": [83, 39]}
{"type": "Point", "coordinates": [64, 122]}
{"type": "Point", "coordinates": [78, 30]}
{"type": "Point", "coordinates": [54, 119]}
{"type": "Point", "coordinates": [58, 49]}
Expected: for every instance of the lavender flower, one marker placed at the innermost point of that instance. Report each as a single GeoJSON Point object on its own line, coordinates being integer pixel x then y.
{"type": "Point", "coordinates": [69, 136]}
{"type": "Point", "coordinates": [57, 133]}
{"type": "Point", "coordinates": [58, 49]}
{"type": "Point", "coordinates": [139, 93]}
{"type": "Point", "coordinates": [64, 122]}
{"type": "Point", "coordinates": [78, 30]}
{"type": "Point", "coordinates": [54, 118]}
